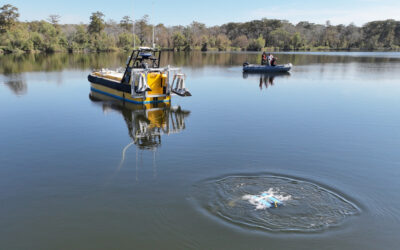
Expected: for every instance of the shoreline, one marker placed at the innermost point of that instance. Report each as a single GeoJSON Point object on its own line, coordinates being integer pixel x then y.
{"type": "Point", "coordinates": [212, 50]}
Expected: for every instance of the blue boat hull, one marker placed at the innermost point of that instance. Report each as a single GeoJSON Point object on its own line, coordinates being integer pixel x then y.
{"type": "Point", "coordinates": [253, 68]}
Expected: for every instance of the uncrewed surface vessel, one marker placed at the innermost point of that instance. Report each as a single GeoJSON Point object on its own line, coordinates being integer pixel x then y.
{"type": "Point", "coordinates": [142, 81]}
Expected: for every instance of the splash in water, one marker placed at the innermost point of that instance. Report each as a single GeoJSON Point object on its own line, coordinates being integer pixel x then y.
{"type": "Point", "coordinates": [266, 199]}
{"type": "Point", "coordinates": [301, 206]}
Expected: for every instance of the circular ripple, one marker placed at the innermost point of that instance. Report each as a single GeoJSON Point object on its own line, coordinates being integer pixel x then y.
{"type": "Point", "coordinates": [306, 206]}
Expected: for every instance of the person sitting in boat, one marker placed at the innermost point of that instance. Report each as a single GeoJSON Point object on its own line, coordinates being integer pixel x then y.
{"type": "Point", "coordinates": [264, 58]}
{"type": "Point", "coordinates": [269, 58]}
{"type": "Point", "coordinates": [272, 60]}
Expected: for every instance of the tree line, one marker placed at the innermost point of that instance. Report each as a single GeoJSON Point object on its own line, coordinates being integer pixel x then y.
{"type": "Point", "coordinates": [265, 34]}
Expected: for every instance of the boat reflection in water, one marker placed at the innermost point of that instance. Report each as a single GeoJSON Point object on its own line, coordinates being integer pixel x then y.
{"type": "Point", "coordinates": [146, 122]}
{"type": "Point", "coordinates": [266, 79]}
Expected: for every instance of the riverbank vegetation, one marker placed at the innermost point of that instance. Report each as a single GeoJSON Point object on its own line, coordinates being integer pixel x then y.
{"type": "Point", "coordinates": [100, 35]}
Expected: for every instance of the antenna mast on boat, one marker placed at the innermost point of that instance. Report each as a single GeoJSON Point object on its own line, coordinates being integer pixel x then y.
{"type": "Point", "coordinates": [152, 10]}
{"type": "Point", "coordinates": [154, 45]}
{"type": "Point", "coordinates": [133, 27]}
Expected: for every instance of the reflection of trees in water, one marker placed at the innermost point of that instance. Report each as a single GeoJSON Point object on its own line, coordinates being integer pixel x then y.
{"type": "Point", "coordinates": [13, 63]}
{"type": "Point", "coordinates": [200, 59]}
{"type": "Point", "coordinates": [16, 84]}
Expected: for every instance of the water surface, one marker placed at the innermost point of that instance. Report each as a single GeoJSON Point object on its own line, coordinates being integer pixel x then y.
{"type": "Point", "coordinates": [75, 173]}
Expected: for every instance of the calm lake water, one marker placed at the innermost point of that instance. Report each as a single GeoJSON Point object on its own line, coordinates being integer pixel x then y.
{"type": "Point", "coordinates": [75, 175]}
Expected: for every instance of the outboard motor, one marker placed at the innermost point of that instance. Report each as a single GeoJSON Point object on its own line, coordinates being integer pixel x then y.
{"type": "Point", "coordinates": [246, 64]}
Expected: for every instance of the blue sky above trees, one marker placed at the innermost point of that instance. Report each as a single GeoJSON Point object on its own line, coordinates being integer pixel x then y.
{"type": "Point", "coordinates": [183, 12]}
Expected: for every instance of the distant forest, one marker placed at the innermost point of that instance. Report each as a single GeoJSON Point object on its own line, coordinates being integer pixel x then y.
{"type": "Point", "coordinates": [265, 34]}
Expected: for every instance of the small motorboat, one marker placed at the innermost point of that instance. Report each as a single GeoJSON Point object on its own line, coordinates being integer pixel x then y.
{"type": "Point", "coordinates": [256, 68]}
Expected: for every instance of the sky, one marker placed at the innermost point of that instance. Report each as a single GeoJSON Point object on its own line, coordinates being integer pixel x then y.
{"type": "Point", "coordinates": [212, 12]}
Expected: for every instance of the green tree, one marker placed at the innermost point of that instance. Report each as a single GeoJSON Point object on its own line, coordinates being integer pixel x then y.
{"type": "Point", "coordinates": [280, 38]}
{"type": "Point", "coordinates": [178, 40]}
{"type": "Point", "coordinates": [54, 19]}
{"type": "Point", "coordinates": [189, 37]}
{"type": "Point", "coordinates": [80, 39]}
{"type": "Point", "coordinates": [257, 44]}
{"type": "Point", "coordinates": [143, 30]}
{"type": "Point", "coordinates": [96, 23]}
{"type": "Point", "coordinates": [211, 41]}
{"type": "Point", "coordinates": [330, 36]}
{"type": "Point", "coordinates": [222, 42]}
{"type": "Point", "coordinates": [296, 40]}
{"type": "Point", "coordinates": [50, 38]}
{"type": "Point", "coordinates": [198, 31]}
{"type": "Point", "coordinates": [18, 40]}
{"type": "Point", "coordinates": [241, 42]}
{"type": "Point", "coordinates": [126, 23]}
{"type": "Point", "coordinates": [125, 41]}
{"type": "Point", "coordinates": [204, 43]}
{"type": "Point", "coordinates": [381, 34]}
{"type": "Point", "coordinates": [102, 43]}
{"type": "Point", "coordinates": [8, 17]}
{"type": "Point", "coordinates": [37, 41]}
{"type": "Point", "coordinates": [162, 36]}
